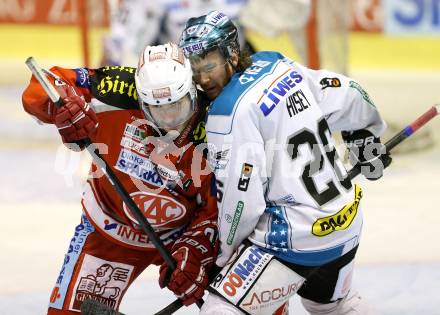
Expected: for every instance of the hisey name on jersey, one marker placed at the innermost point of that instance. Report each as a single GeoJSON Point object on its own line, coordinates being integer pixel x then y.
{"type": "Point", "coordinates": [278, 90]}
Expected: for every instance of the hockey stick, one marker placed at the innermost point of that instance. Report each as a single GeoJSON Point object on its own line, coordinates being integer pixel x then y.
{"type": "Point", "coordinates": [113, 179]}
{"type": "Point", "coordinates": [92, 307]}
{"type": "Point", "coordinates": [402, 135]}
{"type": "Point", "coordinates": [354, 171]}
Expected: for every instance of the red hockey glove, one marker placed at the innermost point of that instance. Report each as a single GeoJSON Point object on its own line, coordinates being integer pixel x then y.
{"type": "Point", "coordinates": [364, 148]}
{"type": "Point", "coordinates": [189, 280]}
{"type": "Point", "coordinates": [194, 255]}
{"type": "Point", "coordinates": [75, 120]}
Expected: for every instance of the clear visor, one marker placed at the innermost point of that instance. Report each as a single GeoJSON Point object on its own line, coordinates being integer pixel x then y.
{"type": "Point", "coordinates": [173, 115]}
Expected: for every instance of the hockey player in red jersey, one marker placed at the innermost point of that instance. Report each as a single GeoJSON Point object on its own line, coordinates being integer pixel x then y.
{"type": "Point", "coordinates": [149, 124]}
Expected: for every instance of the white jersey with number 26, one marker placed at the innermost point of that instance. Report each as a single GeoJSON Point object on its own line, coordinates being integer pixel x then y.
{"type": "Point", "coordinates": [279, 178]}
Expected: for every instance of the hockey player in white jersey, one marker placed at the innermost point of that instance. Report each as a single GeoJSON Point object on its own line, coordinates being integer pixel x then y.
{"type": "Point", "coordinates": [290, 218]}
{"type": "Point", "coordinates": [135, 23]}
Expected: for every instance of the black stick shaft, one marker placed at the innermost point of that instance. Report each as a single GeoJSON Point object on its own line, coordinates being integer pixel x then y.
{"type": "Point", "coordinates": [171, 308]}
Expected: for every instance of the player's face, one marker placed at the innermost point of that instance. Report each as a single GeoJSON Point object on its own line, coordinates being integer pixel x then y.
{"type": "Point", "coordinates": [172, 116]}
{"type": "Point", "coordinates": [212, 73]}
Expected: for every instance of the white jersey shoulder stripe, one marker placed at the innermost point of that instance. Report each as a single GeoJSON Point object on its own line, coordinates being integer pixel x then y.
{"type": "Point", "coordinates": [223, 110]}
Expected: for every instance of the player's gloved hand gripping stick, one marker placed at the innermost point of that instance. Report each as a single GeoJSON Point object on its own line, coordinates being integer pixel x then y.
{"type": "Point", "coordinates": [102, 164]}
{"type": "Point", "coordinates": [401, 135]}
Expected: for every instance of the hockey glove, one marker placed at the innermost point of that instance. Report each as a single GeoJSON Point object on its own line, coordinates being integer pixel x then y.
{"type": "Point", "coordinates": [194, 255]}
{"type": "Point", "coordinates": [365, 149]}
{"type": "Point", "coordinates": [75, 120]}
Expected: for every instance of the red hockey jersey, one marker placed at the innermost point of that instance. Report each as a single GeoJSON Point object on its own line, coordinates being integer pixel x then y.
{"type": "Point", "coordinates": [170, 181]}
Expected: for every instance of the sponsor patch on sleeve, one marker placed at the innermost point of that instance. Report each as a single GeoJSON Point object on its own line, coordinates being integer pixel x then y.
{"type": "Point", "coordinates": [82, 77]}
{"type": "Point", "coordinates": [218, 159]}
{"type": "Point", "coordinates": [364, 93]}
{"type": "Point", "coordinates": [330, 82]}
{"type": "Point", "coordinates": [245, 177]}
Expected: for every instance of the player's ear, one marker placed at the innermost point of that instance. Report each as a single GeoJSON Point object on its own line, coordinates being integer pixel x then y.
{"type": "Point", "coordinates": [234, 60]}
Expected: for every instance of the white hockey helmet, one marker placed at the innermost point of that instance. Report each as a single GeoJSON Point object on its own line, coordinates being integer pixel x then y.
{"type": "Point", "coordinates": [165, 86]}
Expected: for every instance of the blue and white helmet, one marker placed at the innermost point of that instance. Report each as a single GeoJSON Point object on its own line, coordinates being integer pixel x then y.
{"type": "Point", "coordinates": [208, 32]}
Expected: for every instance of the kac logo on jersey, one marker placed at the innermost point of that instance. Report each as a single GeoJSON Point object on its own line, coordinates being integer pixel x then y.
{"type": "Point", "coordinates": [277, 91]}
{"type": "Point", "coordinates": [159, 210]}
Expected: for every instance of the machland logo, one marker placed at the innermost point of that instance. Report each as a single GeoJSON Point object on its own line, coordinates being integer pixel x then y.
{"type": "Point", "coordinates": [235, 221]}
